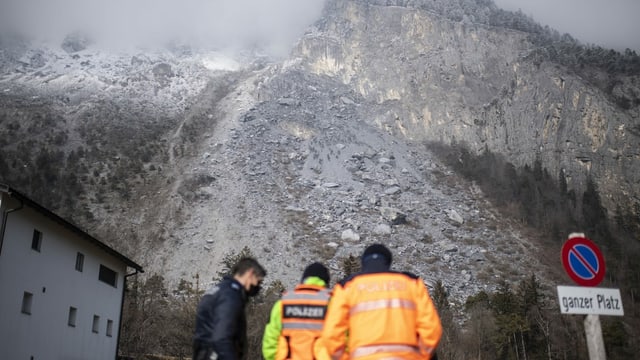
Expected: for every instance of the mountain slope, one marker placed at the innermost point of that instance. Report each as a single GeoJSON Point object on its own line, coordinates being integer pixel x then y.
{"type": "Point", "coordinates": [178, 158]}
{"type": "Point", "coordinates": [456, 82]}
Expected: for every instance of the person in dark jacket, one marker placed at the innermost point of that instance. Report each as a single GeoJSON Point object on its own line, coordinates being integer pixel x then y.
{"type": "Point", "coordinates": [221, 326]}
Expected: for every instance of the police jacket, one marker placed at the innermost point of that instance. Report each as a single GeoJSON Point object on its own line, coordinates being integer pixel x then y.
{"type": "Point", "coordinates": [381, 314]}
{"type": "Point", "coordinates": [220, 320]}
{"type": "Point", "coordinates": [296, 322]}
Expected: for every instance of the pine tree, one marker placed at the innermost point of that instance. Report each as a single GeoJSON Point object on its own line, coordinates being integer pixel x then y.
{"type": "Point", "coordinates": [448, 348]}
{"type": "Point", "coordinates": [350, 265]}
{"type": "Point", "coordinates": [230, 259]}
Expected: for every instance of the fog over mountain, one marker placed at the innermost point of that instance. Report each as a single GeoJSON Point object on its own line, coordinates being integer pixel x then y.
{"type": "Point", "coordinates": [274, 24]}
{"type": "Point", "coordinates": [612, 23]}
{"type": "Point", "coordinates": [213, 24]}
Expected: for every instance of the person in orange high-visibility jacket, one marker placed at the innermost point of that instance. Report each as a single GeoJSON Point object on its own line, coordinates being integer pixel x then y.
{"type": "Point", "coordinates": [297, 319]}
{"type": "Point", "coordinates": [379, 314]}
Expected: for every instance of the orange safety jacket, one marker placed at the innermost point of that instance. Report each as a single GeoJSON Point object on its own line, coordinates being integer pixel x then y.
{"type": "Point", "coordinates": [387, 315]}
{"type": "Point", "coordinates": [303, 313]}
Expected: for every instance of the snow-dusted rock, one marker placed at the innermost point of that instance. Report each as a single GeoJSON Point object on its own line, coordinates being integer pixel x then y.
{"type": "Point", "coordinates": [392, 190]}
{"type": "Point", "coordinates": [345, 100]}
{"type": "Point", "coordinates": [350, 235]}
{"type": "Point", "coordinates": [454, 216]}
{"type": "Point", "coordinates": [382, 229]}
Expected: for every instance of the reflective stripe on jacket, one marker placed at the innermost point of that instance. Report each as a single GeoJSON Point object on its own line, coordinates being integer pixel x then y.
{"type": "Point", "coordinates": [296, 322]}
{"type": "Point", "coordinates": [387, 315]}
{"type": "Point", "coordinates": [303, 312]}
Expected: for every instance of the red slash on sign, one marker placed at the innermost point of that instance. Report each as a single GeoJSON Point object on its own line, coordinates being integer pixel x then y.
{"type": "Point", "coordinates": [583, 261]}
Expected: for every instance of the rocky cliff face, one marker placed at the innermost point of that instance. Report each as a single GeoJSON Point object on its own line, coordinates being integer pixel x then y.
{"type": "Point", "coordinates": [455, 82]}
{"type": "Point", "coordinates": [179, 157]}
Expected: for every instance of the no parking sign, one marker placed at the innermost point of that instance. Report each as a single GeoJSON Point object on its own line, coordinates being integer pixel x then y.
{"type": "Point", "coordinates": [583, 261]}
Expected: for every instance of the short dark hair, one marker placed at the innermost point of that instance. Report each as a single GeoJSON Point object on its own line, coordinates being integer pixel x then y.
{"type": "Point", "coordinates": [247, 263]}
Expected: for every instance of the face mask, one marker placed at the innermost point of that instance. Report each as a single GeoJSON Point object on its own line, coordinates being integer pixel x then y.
{"type": "Point", "coordinates": [254, 290]}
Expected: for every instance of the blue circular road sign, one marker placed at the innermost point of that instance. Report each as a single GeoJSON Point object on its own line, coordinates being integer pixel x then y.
{"type": "Point", "coordinates": [583, 261]}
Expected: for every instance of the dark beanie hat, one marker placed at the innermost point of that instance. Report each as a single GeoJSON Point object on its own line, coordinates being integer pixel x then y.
{"type": "Point", "coordinates": [317, 269]}
{"type": "Point", "coordinates": [377, 251]}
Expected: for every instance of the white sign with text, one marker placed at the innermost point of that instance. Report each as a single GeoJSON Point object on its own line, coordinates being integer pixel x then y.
{"type": "Point", "coordinates": [590, 300]}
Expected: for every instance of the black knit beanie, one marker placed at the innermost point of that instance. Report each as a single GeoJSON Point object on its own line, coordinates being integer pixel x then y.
{"type": "Point", "coordinates": [376, 251]}
{"type": "Point", "coordinates": [317, 269]}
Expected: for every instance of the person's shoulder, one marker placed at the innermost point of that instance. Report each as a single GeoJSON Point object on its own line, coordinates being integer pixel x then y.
{"type": "Point", "coordinates": [229, 286]}
{"type": "Point", "coordinates": [405, 274]}
{"type": "Point", "coordinates": [230, 298]}
{"type": "Point", "coordinates": [347, 279]}
{"type": "Point", "coordinates": [410, 275]}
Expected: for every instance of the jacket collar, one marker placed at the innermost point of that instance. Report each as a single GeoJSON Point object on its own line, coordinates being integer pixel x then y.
{"type": "Point", "coordinates": [314, 280]}
{"type": "Point", "coordinates": [234, 284]}
{"type": "Point", "coordinates": [375, 266]}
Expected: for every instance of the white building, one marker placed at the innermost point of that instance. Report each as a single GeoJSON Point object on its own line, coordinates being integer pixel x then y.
{"type": "Point", "coordinates": [61, 290]}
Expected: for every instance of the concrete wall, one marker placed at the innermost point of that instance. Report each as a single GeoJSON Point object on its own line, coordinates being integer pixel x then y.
{"type": "Point", "coordinates": [56, 285]}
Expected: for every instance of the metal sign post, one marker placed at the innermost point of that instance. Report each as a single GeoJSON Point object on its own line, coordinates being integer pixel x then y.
{"type": "Point", "coordinates": [595, 341]}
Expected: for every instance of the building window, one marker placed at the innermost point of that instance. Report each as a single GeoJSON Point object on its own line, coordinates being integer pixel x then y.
{"type": "Point", "coordinates": [109, 328]}
{"type": "Point", "coordinates": [108, 276]}
{"type": "Point", "coordinates": [96, 324]}
{"type": "Point", "coordinates": [72, 316]}
{"type": "Point", "coordinates": [27, 300]}
{"type": "Point", "coordinates": [79, 261]}
{"type": "Point", "coordinates": [36, 241]}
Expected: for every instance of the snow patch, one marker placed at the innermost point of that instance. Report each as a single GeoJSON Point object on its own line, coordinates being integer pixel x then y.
{"type": "Point", "coordinates": [220, 62]}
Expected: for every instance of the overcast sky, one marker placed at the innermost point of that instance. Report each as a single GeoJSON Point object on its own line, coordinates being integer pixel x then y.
{"type": "Point", "coordinates": [608, 23]}
{"type": "Point", "coordinates": [278, 23]}
{"type": "Point", "coordinates": [213, 23]}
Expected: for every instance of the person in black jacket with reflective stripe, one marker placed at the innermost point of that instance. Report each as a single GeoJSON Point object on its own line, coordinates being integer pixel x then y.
{"type": "Point", "coordinates": [221, 326]}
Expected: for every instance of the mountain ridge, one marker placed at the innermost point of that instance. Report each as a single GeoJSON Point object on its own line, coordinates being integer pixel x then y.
{"type": "Point", "coordinates": [311, 158]}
